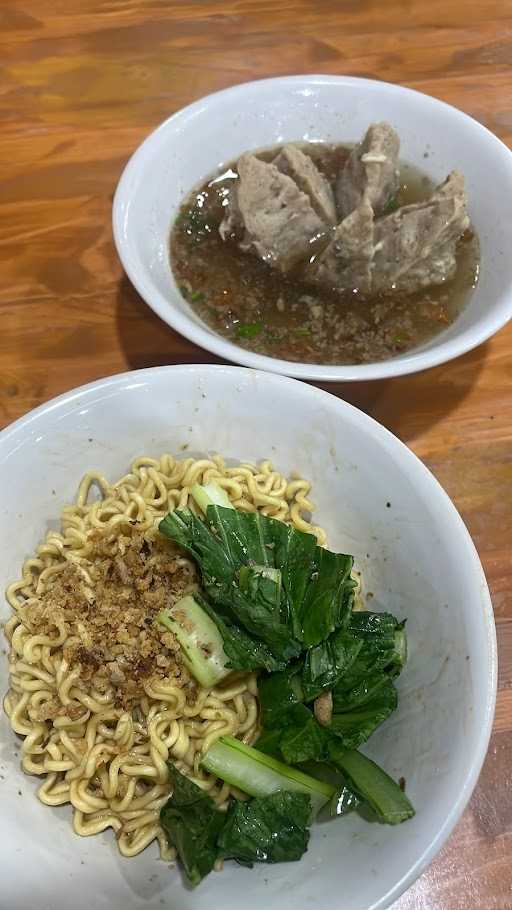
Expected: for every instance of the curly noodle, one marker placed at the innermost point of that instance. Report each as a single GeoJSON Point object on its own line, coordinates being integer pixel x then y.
{"type": "Point", "coordinates": [106, 758]}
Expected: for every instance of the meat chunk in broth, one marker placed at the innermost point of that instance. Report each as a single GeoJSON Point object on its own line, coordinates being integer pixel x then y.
{"type": "Point", "coordinates": [278, 219]}
{"type": "Point", "coordinates": [346, 263]}
{"type": "Point", "coordinates": [452, 186]}
{"type": "Point", "coordinates": [308, 178]}
{"type": "Point", "coordinates": [371, 172]}
{"type": "Point", "coordinates": [264, 256]}
{"type": "Point", "coordinates": [283, 211]}
{"type": "Point", "coordinates": [415, 246]}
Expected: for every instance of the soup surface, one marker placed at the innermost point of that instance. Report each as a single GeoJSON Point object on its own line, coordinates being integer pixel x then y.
{"type": "Point", "coordinates": [258, 308]}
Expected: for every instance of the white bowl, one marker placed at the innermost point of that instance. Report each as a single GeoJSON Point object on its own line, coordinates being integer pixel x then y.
{"type": "Point", "coordinates": [192, 144]}
{"type": "Point", "coordinates": [416, 557]}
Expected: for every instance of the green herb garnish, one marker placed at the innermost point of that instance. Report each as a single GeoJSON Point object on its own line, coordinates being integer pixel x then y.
{"type": "Point", "coordinates": [249, 329]}
{"type": "Point", "coordinates": [391, 206]}
{"type": "Point", "coordinates": [194, 296]}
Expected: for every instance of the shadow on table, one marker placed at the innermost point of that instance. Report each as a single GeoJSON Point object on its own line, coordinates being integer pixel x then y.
{"type": "Point", "coordinates": [409, 405]}
{"type": "Point", "coordinates": [146, 341]}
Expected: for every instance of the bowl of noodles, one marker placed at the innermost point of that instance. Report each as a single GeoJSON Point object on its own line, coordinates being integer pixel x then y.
{"type": "Point", "coordinates": [102, 704]}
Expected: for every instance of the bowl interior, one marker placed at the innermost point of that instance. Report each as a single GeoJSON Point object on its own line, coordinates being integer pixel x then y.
{"type": "Point", "coordinates": [212, 132]}
{"type": "Point", "coordinates": [417, 560]}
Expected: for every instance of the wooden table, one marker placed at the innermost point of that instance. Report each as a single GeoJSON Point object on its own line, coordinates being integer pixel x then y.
{"type": "Point", "coordinates": [82, 83]}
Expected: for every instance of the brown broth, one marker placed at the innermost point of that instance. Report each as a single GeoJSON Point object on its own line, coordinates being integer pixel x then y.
{"type": "Point", "coordinates": [258, 308]}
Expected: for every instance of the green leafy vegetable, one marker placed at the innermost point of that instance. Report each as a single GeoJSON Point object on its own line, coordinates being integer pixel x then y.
{"type": "Point", "coordinates": [300, 737]}
{"type": "Point", "coordinates": [227, 542]}
{"type": "Point", "coordinates": [249, 329]}
{"type": "Point", "coordinates": [324, 608]}
{"type": "Point", "coordinates": [361, 661]}
{"type": "Point", "coordinates": [192, 823]}
{"type": "Point", "coordinates": [272, 829]}
{"type": "Point", "coordinates": [305, 740]}
{"type": "Point", "coordinates": [268, 742]}
{"type": "Point", "coordinates": [279, 693]}
{"type": "Point", "coordinates": [243, 651]}
{"type": "Point", "coordinates": [356, 724]}
{"type": "Point", "coordinates": [363, 697]}
{"type": "Point", "coordinates": [262, 584]}
{"type": "Point", "coordinates": [373, 785]}
{"type": "Point", "coordinates": [382, 650]}
{"type": "Point", "coordinates": [348, 699]}
{"type": "Point", "coordinates": [280, 603]}
{"type": "Point", "coordinates": [384, 633]}
{"type": "Point", "coordinates": [288, 610]}
{"type": "Point", "coordinates": [187, 530]}
{"type": "Point", "coordinates": [294, 553]}
{"type": "Point", "coordinates": [326, 663]}
{"type": "Point", "coordinates": [251, 576]}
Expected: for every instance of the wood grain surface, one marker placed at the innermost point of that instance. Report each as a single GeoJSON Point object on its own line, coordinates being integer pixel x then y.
{"type": "Point", "coordinates": [81, 83]}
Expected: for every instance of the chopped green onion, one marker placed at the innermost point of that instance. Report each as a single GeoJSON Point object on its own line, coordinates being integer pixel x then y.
{"type": "Point", "coordinates": [259, 774]}
{"type": "Point", "coordinates": [391, 206]}
{"type": "Point", "coordinates": [249, 329]}
{"type": "Point", "coordinates": [197, 296]}
{"type": "Point", "coordinates": [302, 331]}
{"type": "Point", "coordinates": [200, 640]}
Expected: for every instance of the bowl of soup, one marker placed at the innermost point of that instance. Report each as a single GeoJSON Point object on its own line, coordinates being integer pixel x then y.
{"type": "Point", "coordinates": [324, 227]}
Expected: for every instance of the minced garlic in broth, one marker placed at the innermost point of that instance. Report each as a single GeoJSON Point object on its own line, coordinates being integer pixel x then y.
{"type": "Point", "coordinates": [256, 307]}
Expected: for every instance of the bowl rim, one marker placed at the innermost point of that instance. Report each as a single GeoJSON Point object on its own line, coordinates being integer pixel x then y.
{"type": "Point", "coordinates": [200, 334]}
{"type": "Point", "coordinates": [9, 440]}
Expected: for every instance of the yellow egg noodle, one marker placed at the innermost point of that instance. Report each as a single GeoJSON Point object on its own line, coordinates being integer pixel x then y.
{"type": "Point", "coordinates": [109, 761]}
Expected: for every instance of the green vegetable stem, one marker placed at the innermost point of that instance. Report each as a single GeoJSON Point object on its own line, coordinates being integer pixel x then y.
{"type": "Point", "coordinates": [200, 640]}
{"type": "Point", "coordinates": [259, 775]}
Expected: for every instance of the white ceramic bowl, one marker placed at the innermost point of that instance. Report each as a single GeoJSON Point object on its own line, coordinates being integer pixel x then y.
{"type": "Point", "coordinates": [193, 143]}
{"type": "Point", "coordinates": [416, 557]}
